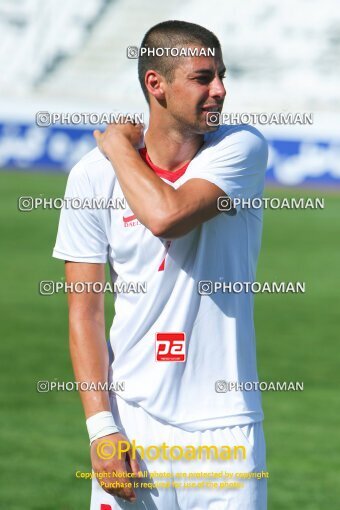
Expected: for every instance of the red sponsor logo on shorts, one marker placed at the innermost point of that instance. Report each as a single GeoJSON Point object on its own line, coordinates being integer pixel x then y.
{"type": "Point", "coordinates": [170, 346]}
{"type": "Point", "coordinates": [105, 507]}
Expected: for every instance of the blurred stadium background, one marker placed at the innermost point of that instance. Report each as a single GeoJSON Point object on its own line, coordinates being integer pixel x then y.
{"type": "Point", "coordinates": [71, 57]}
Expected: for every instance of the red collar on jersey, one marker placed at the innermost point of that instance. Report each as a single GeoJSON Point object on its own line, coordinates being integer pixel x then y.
{"type": "Point", "coordinates": [166, 174]}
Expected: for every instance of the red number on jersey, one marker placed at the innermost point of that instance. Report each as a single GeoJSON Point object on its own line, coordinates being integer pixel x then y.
{"type": "Point", "coordinates": [167, 246]}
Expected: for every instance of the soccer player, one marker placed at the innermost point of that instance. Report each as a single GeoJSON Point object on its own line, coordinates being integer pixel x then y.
{"type": "Point", "coordinates": [177, 346]}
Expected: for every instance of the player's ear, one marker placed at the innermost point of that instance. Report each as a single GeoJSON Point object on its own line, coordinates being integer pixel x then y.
{"type": "Point", "coordinates": [154, 82]}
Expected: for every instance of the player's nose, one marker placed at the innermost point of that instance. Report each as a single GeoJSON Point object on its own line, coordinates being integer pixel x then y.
{"type": "Point", "coordinates": [217, 89]}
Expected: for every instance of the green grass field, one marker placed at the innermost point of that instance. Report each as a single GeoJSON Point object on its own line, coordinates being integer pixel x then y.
{"type": "Point", "coordinates": [43, 435]}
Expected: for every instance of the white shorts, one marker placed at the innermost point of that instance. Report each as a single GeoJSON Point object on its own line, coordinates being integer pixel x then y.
{"type": "Point", "coordinates": [249, 493]}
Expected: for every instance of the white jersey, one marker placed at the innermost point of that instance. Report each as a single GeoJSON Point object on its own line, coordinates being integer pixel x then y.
{"type": "Point", "coordinates": [171, 343]}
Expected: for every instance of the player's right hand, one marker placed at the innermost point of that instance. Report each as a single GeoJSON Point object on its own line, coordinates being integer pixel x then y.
{"type": "Point", "coordinates": [114, 134]}
{"type": "Point", "coordinates": [103, 466]}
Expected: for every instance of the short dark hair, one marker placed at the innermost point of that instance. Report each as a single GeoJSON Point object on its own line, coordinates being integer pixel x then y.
{"type": "Point", "coordinates": [171, 34]}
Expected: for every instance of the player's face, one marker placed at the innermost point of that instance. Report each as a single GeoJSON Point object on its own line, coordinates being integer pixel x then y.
{"type": "Point", "coordinates": [196, 89]}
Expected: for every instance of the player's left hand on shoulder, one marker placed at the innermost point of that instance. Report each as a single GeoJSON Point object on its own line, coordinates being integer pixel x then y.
{"type": "Point", "coordinates": [114, 132]}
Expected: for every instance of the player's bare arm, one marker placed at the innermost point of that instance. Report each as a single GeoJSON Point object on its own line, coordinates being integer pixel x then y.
{"type": "Point", "coordinates": [165, 211]}
{"type": "Point", "coordinates": [87, 334]}
{"type": "Point", "coordinates": [91, 363]}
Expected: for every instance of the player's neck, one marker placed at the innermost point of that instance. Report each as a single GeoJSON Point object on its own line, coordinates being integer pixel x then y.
{"type": "Point", "coordinates": [170, 149]}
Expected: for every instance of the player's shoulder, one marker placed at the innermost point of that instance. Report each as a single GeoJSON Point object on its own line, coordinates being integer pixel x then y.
{"type": "Point", "coordinates": [94, 170]}
{"type": "Point", "coordinates": [94, 164]}
{"type": "Point", "coordinates": [242, 139]}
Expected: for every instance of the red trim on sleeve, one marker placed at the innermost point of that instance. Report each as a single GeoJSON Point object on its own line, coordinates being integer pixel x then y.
{"type": "Point", "coordinates": [166, 174]}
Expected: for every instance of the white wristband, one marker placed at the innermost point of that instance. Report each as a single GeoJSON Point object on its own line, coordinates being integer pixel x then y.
{"type": "Point", "coordinates": [100, 425]}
